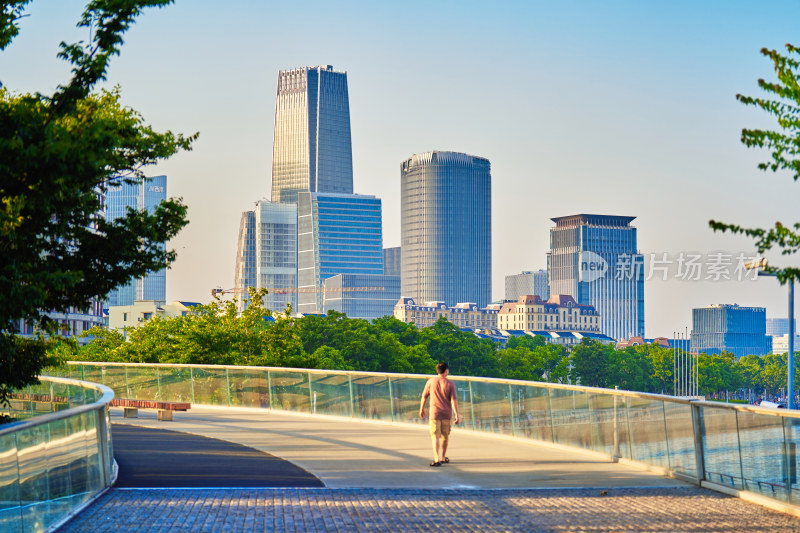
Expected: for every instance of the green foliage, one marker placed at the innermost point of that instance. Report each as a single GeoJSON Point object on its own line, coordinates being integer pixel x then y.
{"type": "Point", "coordinates": [783, 143]}
{"type": "Point", "coordinates": [56, 153]}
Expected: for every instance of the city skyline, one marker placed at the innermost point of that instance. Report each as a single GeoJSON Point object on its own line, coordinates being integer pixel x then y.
{"type": "Point", "coordinates": [617, 108]}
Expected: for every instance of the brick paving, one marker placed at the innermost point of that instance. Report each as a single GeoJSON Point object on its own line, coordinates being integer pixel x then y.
{"type": "Point", "coordinates": [346, 510]}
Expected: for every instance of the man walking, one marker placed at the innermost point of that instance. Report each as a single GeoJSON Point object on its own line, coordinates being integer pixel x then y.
{"type": "Point", "coordinates": [444, 405]}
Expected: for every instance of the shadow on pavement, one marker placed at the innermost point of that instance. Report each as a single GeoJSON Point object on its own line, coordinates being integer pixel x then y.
{"type": "Point", "coordinates": [158, 458]}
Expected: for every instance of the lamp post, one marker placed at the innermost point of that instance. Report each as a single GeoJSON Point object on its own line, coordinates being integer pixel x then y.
{"type": "Point", "coordinates": [759, 266]}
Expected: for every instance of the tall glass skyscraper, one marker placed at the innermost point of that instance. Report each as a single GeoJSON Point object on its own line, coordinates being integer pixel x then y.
{"type": "Point", "coordinates": [143, 196]}
{"type": "Point", "coordinates": [594, 259]}
{"type": "Point", "coordinates": [730, 328]}
{"type": "Point", "coordinates": [446, 228]}
{"type": "Point", "coordinates": [336, 234]}
{"type": "Point", "coordinates": [527, 283]}
{"type": "Point", "coordinates": [311, 150]}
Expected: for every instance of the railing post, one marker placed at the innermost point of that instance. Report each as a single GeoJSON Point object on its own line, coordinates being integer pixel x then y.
{"type": "Point", "coordinates": [697, 427]}
{"type": "Point", "coordinates": [511, 405]}
{"type": "Point", "coordinates": [269, 389]}
{"type": "Point", "coordinates": [191, 381]}
{"type": "Point", "coordinates": [102, 442]}
{"type": "Point", "coordinates": [391, 398]}
{"type": "Point", "coordinates": [312, 405]}
{"type": "Point", "coordinates": [472, 407]}
{"type": "Point", "coordinates": [352, 400]}
{"type": "Point", "coordinates": [228, 386]}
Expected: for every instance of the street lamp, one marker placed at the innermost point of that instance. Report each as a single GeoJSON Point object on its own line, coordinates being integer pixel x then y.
{"type": "Point", "coordinates": [760, 265]}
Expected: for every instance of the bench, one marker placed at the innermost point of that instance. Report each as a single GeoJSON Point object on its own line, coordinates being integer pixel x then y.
{"type": "Point", "coordinates": [165, 409]}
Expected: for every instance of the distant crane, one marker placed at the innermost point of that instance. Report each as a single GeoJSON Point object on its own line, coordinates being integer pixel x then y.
{"type": "Point", "coordinates": [290, 290]}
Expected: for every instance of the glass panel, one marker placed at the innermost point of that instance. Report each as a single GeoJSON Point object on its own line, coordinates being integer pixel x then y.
{"type": "Point", "coordinates": [59, 474]}
{"type": "Point", "coordinates": [290, 391]}
{"type": "Point", "coordinates": [331, 394]}
{"type": "Point", "coordinates": [572, 421]}
{"type": "Point", "coordinates": [371, 397]}
{"type": "Point", "coordinates": [10, 512]}
{"type": "Point", "coordinates": [407, 393]}
{"type": "Point", "coordinates": [721, 446]}
{"type": "Point", "coordinates": [791, 428]}
{"type": "Point", "coordinates": [648, 431]}
{"type": "Point", "coordinates": [94, 475]}
{"type": "Point", "coordinates": [210, 386]}
{"type": "Point", "coordinates": [249, 388]}
{"type": "Point", "coordinates": [531, 412]}
{"type": "Point", "coordinates": [680, 436]}
{"type": "Point", "coordinates": [492, 407]}
{"type": "Point", "coordinates": [33, 480]}
{"type": "Point", "coordinates": [763, 462]}
{"type": "Point", "coordinates": [605, 412]}
{"type": "Point", "coordinates": [175, 384]}
{"type": "Point", "coordinates": [142, 383]}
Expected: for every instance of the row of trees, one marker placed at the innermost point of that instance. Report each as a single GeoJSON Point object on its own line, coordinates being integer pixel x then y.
{"type": "Point", "coordinates": [216, 334]}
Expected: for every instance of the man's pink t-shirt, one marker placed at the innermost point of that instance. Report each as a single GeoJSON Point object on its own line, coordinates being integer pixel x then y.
{"type": "Point", "coordinates": [442, 391]}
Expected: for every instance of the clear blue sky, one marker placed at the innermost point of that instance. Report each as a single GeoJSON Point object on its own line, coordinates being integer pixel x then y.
{"type": "Point", "coordinates": [581, 107]}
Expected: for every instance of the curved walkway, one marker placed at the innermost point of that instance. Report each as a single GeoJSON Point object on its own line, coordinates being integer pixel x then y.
{"type": "Point", "coordinates": [377, 479]}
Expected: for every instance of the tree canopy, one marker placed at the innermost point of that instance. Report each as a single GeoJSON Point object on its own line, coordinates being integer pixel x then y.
{"type": "Point", "coordinates": [58, 155]}
{"type": "Point", "coordinates": [783, 143]}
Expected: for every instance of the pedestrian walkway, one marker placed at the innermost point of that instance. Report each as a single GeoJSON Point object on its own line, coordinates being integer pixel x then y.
{"type": "Point", "coordinates": [376, 479]}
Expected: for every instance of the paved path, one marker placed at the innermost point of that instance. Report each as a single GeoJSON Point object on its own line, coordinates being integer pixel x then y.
{"type": "Point", "coordinates": [391, 510]}
{"type": "Point", "coordinates": [373, 474]}
{"type": "Point", "coordinates": [150, 457]}
{"type": "Point", "coordinates": [353, 454]}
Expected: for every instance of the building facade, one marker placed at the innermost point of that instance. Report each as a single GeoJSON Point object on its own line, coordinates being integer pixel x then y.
{"type": "Point", "coordinates": [245, 271]}
{"type": "Point", "coordinates": [594, 259]}
{"type": "Point", "coordinates": [527, 283]}
{"type": "Point", "coordinates": [133, 316]}
{"type": "Point", "coordinates": [559, 313]}
{"type": "Point", "coordinates": [446, 228]}
{"type": "Point", "coordinates": [392, 261]}
{"type": "Point", "coordinates": [463, 314]}
{"type": "Point", "coordinates": [365, 296]}
{"type": "Point", "coordinates": [312, 146]}
{"type": "Point", "coordinates": [337, 234]}
{"type": "Point", "coordinates": [730, 328]}
{"type": "Point", "coordinates": [276, 253]}
{"type": "Point", "coordinates": [143, 196]}
{"type": "Point", "coordinates": [71, 323]}
{"type": "Point", "coordinates": [778, 327]}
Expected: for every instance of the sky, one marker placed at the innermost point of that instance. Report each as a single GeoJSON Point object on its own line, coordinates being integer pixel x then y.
{"type": "Point", "coordinates": [614, 107]}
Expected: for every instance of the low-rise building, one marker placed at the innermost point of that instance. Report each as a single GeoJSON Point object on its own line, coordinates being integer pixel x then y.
{"type": "Point", "coordinates": [463, 315]}
{"type": "Point", "coordinates": [559, 313]}
{"type": "Point", "coordinates": [123, 316]}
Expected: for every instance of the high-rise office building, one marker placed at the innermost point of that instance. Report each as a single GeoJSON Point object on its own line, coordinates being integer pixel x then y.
{"type": "Point", "coordinates": [365, 296]}
{"type": "Point", "coordinates": [446, 228]}
{"type": "Point", "coordinates": [391, 261]}
{"type": "Point", "coordinates": [527, 283]}
{"type": "Point", "coordinates": [267, 255]}
{"type": "Point", "coordinates": [730, 328]}
{"type": "Point", "coordinates": [778, 327]}
{"type": "Point", "coordinates": [594, 259]}
{"type": "Point", "coordinates": [245, 272]}
{"type": "Point", "coordinates": [336, 234]}
{"type": "Point", "coordinates": [143, 196]}
{"type": "Point", "coordinates": [312, 147]}
{"type": "Point", "coordinates": [276, 253]}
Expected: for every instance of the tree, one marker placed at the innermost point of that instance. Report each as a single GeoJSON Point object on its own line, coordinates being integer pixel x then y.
{"type": "Point", "coordinates": [784, 146]}
{"type": "Point", "coordinates": [592, 364]}
{"type": "Point", "coordinates": [58, 154]}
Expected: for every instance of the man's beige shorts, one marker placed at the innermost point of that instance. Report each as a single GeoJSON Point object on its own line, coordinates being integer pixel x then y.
{"type": "Point", "coordinates": [440, 428]}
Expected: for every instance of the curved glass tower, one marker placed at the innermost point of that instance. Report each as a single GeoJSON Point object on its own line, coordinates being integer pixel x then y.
{"type": "Point", "coordinates": [311, 149]}
{"type": "Point", "coordinates": [446, 228]}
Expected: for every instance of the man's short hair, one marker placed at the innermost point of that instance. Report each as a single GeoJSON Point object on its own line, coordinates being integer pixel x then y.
{"type": "Point", "coordinates": [441, 367]}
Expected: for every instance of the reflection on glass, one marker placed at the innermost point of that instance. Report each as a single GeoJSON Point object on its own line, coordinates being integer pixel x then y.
{"type": "Point", "coordinates": [371, 397]}
{"type": "Point", "coordinates": [763, 462]}
{"type": "Point", "coordinates": [290, 391]}
{"type": "Point", "coordinates": [249, 388]}
{"type": "Point", "coordinates": [10, 512]}
{"type": "Point", "coordinates": [491, 407]}
{"type": "Point", "coordinates": [648, 431]}
{"type": "Point", "coordinates": [330, 394]}
{"type": "Point", "coordinates": [680, 436]}
{"type": "Point", "coordinates": [721, 447]}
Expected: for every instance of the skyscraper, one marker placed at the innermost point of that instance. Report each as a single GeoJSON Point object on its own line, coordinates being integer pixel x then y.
{"type": "Point", "coordinates": [391, 261]}
{"type": "Point", "coordinates": [311, 149]}
{"type": "Point", "coordinates": [143, 196]}
{"type": "Point", "coordinates": [245, 274]}
{"type": "Point", "coordinates": [594, 259]}
{"type": "Point", "coordinates": [336, 234]}
{"type": "Point", "coordinates": [527, 283]}
{"type": "Point", "coordinates": [446, 228]}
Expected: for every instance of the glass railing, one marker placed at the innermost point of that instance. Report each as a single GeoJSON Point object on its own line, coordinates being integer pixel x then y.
{"type": "Point", "coordinates": [722, 446]}
{"type": "Point", "coordinates": [56, 456]}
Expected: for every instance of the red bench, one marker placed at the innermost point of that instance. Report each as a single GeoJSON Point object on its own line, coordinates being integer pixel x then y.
{"type": "Point", "coordinates": [165, 409]}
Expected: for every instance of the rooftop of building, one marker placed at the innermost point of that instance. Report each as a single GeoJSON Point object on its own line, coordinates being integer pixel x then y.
{"type": "Point", "coordinates": [443, 156]}
{"type": "Point", "coordinates": [592, 220]}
